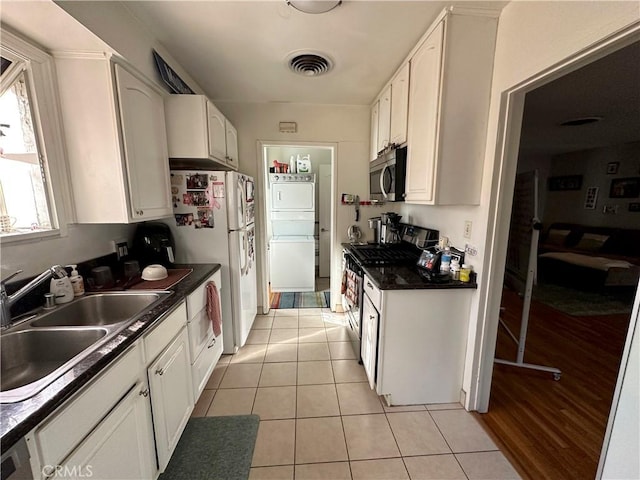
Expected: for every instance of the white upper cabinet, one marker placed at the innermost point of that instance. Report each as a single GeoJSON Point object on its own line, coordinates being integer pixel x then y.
{"type": "Point", "coordinates": [116, 140]}
{"type": "Point", "coordinates": [449, 98]}
{"type": "Point", "coordinates": [374, 130]}
{"type": "Point", "coordinates": [399, 105]}
{"type": "Point", "coordinates": [384, 119]}
{"type": "Point", "coordinates": [198, 131]}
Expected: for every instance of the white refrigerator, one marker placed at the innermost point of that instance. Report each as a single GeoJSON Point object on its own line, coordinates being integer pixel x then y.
{"type": "Point", "coordinates": [214, 223]}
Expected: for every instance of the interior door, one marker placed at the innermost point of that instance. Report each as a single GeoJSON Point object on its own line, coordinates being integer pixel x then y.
{"type": "Point", "coordinates": [324, 211]}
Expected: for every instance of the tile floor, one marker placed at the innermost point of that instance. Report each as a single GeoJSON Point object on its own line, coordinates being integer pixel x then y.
{"type": "Point", "coordinates": [320, 420]}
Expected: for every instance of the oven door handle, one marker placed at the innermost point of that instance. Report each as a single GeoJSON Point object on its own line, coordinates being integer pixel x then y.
{"type": "Point", "coordinates": [384, 171]}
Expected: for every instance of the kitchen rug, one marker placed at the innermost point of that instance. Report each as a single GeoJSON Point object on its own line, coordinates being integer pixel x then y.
{"type": "Point", "coordinates": [214, 448]}
{"type": "Point", "coordinates": [580, 304]}
{"type": "Point", "coordinates": [300, 300]}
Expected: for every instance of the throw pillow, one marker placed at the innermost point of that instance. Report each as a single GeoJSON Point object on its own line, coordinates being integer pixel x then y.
{"type": "Point", "coordinates": [557, 236]}
{"type": "Point", "coordinates": [591, 242]}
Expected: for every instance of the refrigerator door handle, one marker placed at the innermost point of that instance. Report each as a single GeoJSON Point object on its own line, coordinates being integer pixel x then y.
{"type": "Point", "coordinates": [243, 254]}
{"type": "Point", "coordinates": [243, 206]}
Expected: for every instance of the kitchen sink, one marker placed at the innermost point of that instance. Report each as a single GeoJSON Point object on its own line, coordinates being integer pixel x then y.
{"type": "Point", "coordinates": [99, 309]}
{"type": "Point", "coordinates": [47, 343]}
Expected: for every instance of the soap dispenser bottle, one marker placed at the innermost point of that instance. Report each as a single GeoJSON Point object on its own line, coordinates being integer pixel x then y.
{"type": "Point", "coordinates": [77, 282]}
{"type": "Point", "coordinates": [62, 289]}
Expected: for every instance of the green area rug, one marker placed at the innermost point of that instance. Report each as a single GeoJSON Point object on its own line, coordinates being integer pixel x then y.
{"type": "Point", "coordinates": [300, 300]}
{"type": "Point", "coordinates": [579, 303]}
{"type": "Point", "coordinates": [214, 448]}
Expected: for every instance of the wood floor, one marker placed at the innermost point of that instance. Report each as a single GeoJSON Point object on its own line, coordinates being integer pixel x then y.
{"type": "Point", "coordinates": [552, 429]}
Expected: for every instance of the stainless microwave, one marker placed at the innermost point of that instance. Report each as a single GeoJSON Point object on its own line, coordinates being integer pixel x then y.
{"type": "Point", "coordinates": [387, 176]}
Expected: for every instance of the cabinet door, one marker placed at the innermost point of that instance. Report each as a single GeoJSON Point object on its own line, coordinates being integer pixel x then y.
{"type": "Point", "coordinates": [400, 106]}
{"type": "Point", "coordinates": [232, 145]}
{"type": "Point", "coordinates": [422, 134]}
{"type": "Point", "coordinates": [171, 396]}
{"type": "Point", "coordinates": [121, 446]}
{"type": "Point", "coordinates": [369, 349]}
{"type": "Point", "coordinates": [217, 132]}
{"type": "Point", "coordinates": [145, 147]}
{"type": "Point", "coordinates": [384, 119]}
{"type": "Point", "coordinates": [374, 131]}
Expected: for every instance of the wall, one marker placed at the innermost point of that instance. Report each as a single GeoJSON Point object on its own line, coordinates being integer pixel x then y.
{"type": "Point", "coordinates": [346, 126]}
{"type": "Point", "coordinates": [568, 206]}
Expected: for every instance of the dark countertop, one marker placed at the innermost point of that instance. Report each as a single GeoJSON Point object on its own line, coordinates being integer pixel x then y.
{"type": "Point", "coordinates": [408, 278]}
{"type": "Point", "coordinates": [405, 277]}
{"type": "Point", "coordinates": [17, 419]}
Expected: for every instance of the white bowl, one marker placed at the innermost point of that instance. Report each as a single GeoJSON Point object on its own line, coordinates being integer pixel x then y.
{"type": "Point", "coordinates": [154, 272]}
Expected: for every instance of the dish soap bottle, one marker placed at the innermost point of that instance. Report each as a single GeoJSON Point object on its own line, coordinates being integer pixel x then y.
{"type": "Point", "coordinates": [62, 289]}
{"type": "Point", "coordinates": [77, 282]}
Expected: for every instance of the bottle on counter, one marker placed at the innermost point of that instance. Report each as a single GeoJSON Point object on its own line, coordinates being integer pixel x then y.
{"type": "Point", "coordinates": [77, 282]}
{"type": "Point", "coordinates": [465, 273]}
{"type": "Point", "coordinates": [455, 269]}
{"type": "Point", "coordinates": [445, 260]}
{"type": "Point", "coordinates": [62, 289]}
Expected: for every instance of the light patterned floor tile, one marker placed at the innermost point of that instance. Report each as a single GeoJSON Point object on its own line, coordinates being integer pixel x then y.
{"type": "Point", "coordinates": [417, 434]}
{"type": "Point", "coordinates": [281, 352]}
{"type": "Point", "coordinates": [274, 403]}
{"type": "Point", "coordinates": [250, 354]}
{"type": "Point", "coordinates": [341, 351]}
{"type": "Point", "coordinates": [232, 401]}
{"type": "Point", "coordinates": [216, 376]}
{"type": "Point", "coordinates": [284, 472]}
{"type": "Point", "coordinates": [314, 373]}
{"type": "Point", "coordinates": [369, 437]}
{"type": "Point", "coordinates": [483, 465]}
{"type": "Point", "coordinates": [284, 335]}
{"type": "Point", "coordinates": [443, 406]}
{"type": "Point", "coordinates": [241, 375]}
{"type": "Point", "coordinates": [348, 371]}
{"type": "Point", "coordinates": [310, 321]}
{"type": "Point", "coordinates": [337, 334]}
{"type": "Point", "coordinates": [275, 443]}
{"type": "Point", "coordinates": [286, 312]}
{"type": "Point", "coordinates": [288, 321]}
{"type": "Point", "coordinates": [263, 322]}
{"type": "Point", "coordinates": [434, 467]}
{"type": "Point", "coordinates": [320, 440]}
{"type": "Point", "coordinates": [224, 360]}
{"type": "Point", "coordinates": [313, 351]}
{"type": "Point", "coordinates": [203, 403]}
{"type": "Point", "coordinates": [305, 312]}
{"type": "Point", "coordinates": [278, 374]}
{"type": "Point", "coordinates": [402, 408]}
{"type": "Point", "coordinates": [390, 468]}
{"type": "Point", "coordinates": [312, 335]}
{"type": "Point", "coordinates": [317, 401]}
{"type": "Point", "coordinates": [462, 432]}
{"type": "Point", "coordinates": [258, 336]}
{"type": "Point", "coordinates": [323, 471]}
{"type": "Point", "coordinates": [358, 398]}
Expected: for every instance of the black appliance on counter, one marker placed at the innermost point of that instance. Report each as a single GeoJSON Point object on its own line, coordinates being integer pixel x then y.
{"type": "Point", "coordinates": [154, 243]}
{"type": "Point", "coordinates": [355, 257]}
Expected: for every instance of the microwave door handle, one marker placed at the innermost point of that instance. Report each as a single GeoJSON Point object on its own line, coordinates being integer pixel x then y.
{"type": "Point", "coordinates": [384, 192]}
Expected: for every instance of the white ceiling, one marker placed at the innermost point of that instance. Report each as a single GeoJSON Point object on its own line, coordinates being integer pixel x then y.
{"type": "Point", "coordinates": [236, 50]}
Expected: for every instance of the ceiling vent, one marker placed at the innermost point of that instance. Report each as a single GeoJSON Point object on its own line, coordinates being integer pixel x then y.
{"type": "Point", "coordinates": [309, 64]}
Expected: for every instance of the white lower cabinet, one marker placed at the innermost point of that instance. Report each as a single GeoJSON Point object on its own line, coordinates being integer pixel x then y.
{"type": "Point", "coordinates": [171, 396]}
{"type": "Point", "coordinates": [418, 354]}
{"type": "Point", "coordinates": [121, 446]}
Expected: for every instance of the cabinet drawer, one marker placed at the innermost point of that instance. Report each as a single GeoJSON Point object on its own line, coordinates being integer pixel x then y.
{"type": "Point", "coordinates": [59, 435]}
{"type": "Point", "coordinates": [373, 292]}
{"type": "Point", "coordinates": [159, 337]}
{"type": "Point", "coordinates": [204, 365]}
{"type": "Point", "coordinates": [198, 299]}
{"type": "Point", "coordinates": [200, 333]}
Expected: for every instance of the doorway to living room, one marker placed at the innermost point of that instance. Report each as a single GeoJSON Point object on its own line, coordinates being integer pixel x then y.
{"type": "Point", "coordinates": [572, 268]}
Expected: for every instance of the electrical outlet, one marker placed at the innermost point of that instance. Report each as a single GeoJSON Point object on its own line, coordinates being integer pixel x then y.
{"type": "Point", "coordinates": [467, 229]}
{"type": "Point", "coordinates": [121, 248]}
{"type": "Point", "coordinates": [470, 250]}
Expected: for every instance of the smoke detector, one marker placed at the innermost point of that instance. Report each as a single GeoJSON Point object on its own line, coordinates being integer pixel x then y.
{"type": "Point", "coordinates": [309, 64]}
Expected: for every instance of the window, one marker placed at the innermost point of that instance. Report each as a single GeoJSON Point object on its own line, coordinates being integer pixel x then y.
{"type": "Point", "coordinates": [33, 186]}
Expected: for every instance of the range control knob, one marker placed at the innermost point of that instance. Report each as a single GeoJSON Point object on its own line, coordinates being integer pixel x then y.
{"type": "Point", "coordinates": [308, 178]}
{"type": "Point", "coordinates": [276, 177]}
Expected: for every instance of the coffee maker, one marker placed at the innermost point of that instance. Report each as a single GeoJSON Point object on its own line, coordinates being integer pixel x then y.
{"type": "Point", "coordinates": [375, 224]}
{"type": "Point", "coordinates": [390, 228]}
{"type": "Point", "coordinates": [153, 243]}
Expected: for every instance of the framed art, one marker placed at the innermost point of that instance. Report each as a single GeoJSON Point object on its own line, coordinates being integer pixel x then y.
{"type": "Point", "coordinates": [625, 187]}
{"type": "Point", "coordinates": [634, 207]}
{"type": "Point", "coordinates": [612, 168]}
{"type": "Point", "coordinates": [170, 77]}
{"type": "Point", "coordinates": [591, 198]}
{"type": "Point", "coordinates": [565, 182]}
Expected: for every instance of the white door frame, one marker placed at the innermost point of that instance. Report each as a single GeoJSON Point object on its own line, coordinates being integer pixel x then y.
{"type": "Point", "coordinates": [321, 213]}
{"type": "Point", "coordinates": [499, 218]}
{"type": "Point", "coordinates": [262, 245]}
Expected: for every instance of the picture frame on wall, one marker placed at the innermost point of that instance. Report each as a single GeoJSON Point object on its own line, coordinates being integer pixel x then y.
{"type": "Point", "coordinates": [612, 168]}
{"type": "Point", "coordinates": [565, 182]}
{"type": "Point", "coordinates": [591, 198]}
{"type": "Point", "coordinates": [625, 187]}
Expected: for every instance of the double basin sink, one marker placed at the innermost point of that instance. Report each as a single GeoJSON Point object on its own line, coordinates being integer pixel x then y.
{"type": "Point", "coordinates": [49, 343]}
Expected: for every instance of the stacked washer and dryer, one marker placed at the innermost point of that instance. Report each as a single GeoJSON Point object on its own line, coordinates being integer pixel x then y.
{"type": "Point", "coordinates": [292, 245]}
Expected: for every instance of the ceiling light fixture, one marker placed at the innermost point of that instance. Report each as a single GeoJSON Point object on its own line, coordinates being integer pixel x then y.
{"type": "Point", "coordinates": [576, 122]}
{"type": "Point", "coordinates": [314, 6]}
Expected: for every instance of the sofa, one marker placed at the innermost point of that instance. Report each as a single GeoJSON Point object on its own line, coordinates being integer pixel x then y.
{"type": "Point", "coordinates": [589, 258]}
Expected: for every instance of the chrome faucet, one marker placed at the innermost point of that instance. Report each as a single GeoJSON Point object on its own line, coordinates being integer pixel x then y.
{"type": "Point", "coordinates": [7, 301]}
